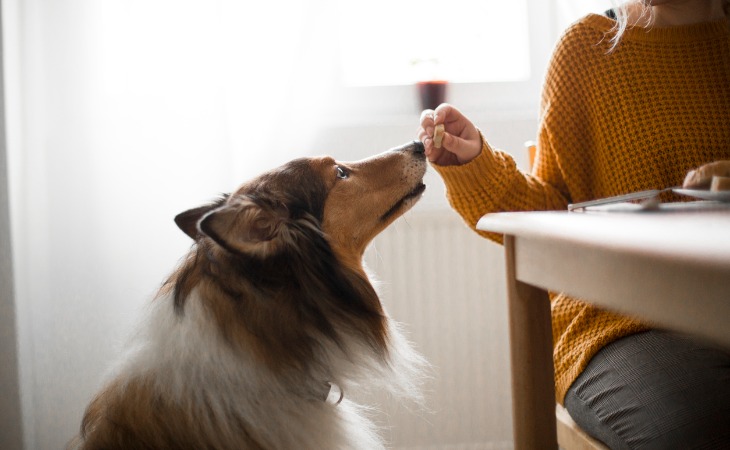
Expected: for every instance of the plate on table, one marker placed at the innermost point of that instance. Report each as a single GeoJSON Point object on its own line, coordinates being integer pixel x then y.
{"type": "Point", "coordinates": [705, 194]}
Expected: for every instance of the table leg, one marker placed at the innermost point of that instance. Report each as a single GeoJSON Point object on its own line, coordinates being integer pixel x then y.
{"type": "Point", "coordinates": [533, 389]}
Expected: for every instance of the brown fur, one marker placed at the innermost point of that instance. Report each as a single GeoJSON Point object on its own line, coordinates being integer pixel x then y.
{"type": "Point", "coordinates": [131, 420]}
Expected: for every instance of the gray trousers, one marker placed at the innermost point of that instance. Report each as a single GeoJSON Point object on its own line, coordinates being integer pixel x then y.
{"type": "Point", "coordinates": [655, 390]}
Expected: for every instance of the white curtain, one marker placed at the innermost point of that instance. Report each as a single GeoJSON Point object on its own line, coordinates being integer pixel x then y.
{"type": "Point", "coordinates": [122, 114]}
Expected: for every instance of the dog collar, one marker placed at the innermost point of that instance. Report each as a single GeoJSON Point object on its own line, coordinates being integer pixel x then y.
{"type": "Point", "coordinates": [334, 394]}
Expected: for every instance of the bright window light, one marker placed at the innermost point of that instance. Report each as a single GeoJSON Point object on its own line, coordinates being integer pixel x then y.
{"type": "Point", "coordinates": [386, 42]}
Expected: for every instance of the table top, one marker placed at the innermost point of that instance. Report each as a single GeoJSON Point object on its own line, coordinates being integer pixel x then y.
{"type": "Point", "coordinates": [691, 232]}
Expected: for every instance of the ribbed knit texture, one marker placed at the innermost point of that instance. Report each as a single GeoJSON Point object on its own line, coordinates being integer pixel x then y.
{"type": "Point", "coordinates": [611, 123]}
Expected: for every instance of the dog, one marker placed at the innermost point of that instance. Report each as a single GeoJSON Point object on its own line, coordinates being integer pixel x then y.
{"type": "Point", "coordinates": [271, 318]}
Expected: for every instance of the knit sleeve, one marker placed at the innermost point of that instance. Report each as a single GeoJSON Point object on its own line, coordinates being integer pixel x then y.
{"type": "Point", "coordinates": [492, 183]}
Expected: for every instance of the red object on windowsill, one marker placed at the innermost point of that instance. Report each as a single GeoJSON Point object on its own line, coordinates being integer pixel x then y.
{"type": "Point", "coordinates": [431, 93]}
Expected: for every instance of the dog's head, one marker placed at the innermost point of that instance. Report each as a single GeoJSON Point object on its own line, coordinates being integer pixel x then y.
{"type": "Point", "coordinates": [280, 258]}
{"type": "Point", "coordinates": [349, 202]}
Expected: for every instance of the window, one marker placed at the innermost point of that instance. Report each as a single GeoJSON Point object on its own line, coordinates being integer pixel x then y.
{"type": "Point", "coordinates": [493, 54]}
{"type": "Point", "coordinates": [385, 42]}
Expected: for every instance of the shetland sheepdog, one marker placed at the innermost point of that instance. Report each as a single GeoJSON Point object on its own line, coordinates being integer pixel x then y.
{"type": "Point", "coordinates": [257, 337]}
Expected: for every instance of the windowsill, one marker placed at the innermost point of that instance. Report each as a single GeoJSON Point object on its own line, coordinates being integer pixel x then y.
{"type": "Point", "coordinates": [368, 120]}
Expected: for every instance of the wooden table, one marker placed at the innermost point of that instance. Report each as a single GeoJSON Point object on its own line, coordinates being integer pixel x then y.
{"type": "Point", "coordinates": [670, 266]}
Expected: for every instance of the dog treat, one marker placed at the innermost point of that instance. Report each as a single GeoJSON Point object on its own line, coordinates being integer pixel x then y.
{"type": "Point", "coordinates": [720, 184]}
{"type": "Point", "coordinates": [701, 178]}
{"type": "Point", "coordinates": [438, 135]}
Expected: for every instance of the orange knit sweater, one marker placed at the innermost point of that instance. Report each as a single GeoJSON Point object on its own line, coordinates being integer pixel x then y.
{"type": "Point", "coordinates": [637, 118]}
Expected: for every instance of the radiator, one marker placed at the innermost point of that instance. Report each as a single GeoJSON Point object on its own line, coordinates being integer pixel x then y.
{"type": "Point", "coordinates": [445, 284]}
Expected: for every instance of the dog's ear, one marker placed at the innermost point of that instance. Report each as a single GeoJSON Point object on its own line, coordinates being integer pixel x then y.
{"type": "Point", "coordinates": [188, 221]}
{"type": "Point", "coordinates": [246, 227]}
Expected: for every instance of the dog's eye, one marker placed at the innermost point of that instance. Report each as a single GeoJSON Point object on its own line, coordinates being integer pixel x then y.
{"type": "Point", "coordinates": [342, 172]}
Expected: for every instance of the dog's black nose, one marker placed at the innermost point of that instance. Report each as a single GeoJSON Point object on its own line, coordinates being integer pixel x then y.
{"type": "Point", "coordinates": [418, 147]}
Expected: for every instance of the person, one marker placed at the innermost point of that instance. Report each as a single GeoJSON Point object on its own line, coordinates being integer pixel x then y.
{"type": "Point", "coordinates": [632, 100]}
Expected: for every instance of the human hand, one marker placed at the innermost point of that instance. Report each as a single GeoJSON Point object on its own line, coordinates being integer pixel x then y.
{"type": "Point", "coordinates": [701, 177]}
{"type": "Point", "coordinates": [461, 142]}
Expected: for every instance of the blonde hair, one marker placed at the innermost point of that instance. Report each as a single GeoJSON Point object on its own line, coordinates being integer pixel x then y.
{"type": "Point", "coordinates": [640, 14]}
